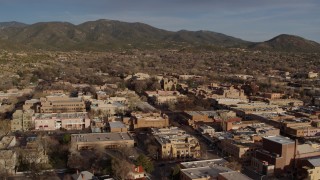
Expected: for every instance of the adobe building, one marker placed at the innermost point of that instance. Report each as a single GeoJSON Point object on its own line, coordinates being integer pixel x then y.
{"type": "Point", "coordinates": [148, 120]}
{"type": "Point", "coordinates": [216, 91]}
{"type": "Point", "coordinates": [53, 91]}
{"type": "Point", "coordinates": [109, 107]}
{"type": "Point", "coordinates": [164, 97]}
{"type": "Point", "coordinates": [55, 121]}
{"type": "Point", "coordinates": [22, 120]}
{"type": "Point", "coordinates": [101, 140]}
{"type": "Point", "coordinates": [209, 169]}
{"type": "Point", "coordinates": [273, 95]}
{"type": "Point", "coordinates": [310, 169]}
{"type": "Point", "coordinates": [255, 108]}
{"type": "Point", "coordinates": [117, 126]}
{"type": "Point", "coordinates": [31, 104]}
{"type": "Point", "coordinates": [219, 117]}
{"type": "Point", "coordinates": [175, 143]}
{"type": "Point", "coordinates": [61, 103]}
{"type": "Point", "coordinates": [285, 102]}
{"type": "Point", "coordinates": [169, 84]}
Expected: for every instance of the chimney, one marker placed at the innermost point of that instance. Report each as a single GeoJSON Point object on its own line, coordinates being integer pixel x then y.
{"type": "Point", "coordinates": [82, 176]}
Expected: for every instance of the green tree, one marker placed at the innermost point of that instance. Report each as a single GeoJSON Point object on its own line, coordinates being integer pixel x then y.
{"type": "Point", "coordinates": [145, 162]}
{"type": "Point", "coordinates": [175, 174]}
{"type": "Point", "coordinates": [66, 138]}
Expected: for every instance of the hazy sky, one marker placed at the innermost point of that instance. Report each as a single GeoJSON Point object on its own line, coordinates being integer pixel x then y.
{"type": "Point", "coordinates": [254, 20]}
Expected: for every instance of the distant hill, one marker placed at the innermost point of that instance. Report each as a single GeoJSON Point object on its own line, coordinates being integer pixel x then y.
{"type": "Point", "coordinates": [109, 34]}
{"type": "Point", "coordinates": [206, 38]}
{"type": "Point", "coordinates": [11, 24]}
{"type": "Point", "coordinates": [289, 43]}
{"type": "Point", "coordinates": [106, 34]}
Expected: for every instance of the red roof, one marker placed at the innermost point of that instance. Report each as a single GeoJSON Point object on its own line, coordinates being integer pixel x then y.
{"type": "Point", "coordinates": [138, 169]}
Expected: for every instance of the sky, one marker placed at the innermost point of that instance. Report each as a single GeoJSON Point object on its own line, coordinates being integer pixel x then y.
{"type": "Point", "coordinates": [252, 20]}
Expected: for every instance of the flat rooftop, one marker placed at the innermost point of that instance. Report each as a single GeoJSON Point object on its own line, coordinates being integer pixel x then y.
{"type": "Point", "coordinates": [167, 131]}
{"type": "Point", "coordinates": [306, 148]}
{"type": "Point", "coordinates": [117, 124]}
{"type": "Point", "coordinates": [146, 106]}
{"type": "Point", "coordinates": [234, 175]}
{"type": "Point", "coordinates": [61, 115]}
{"type": "Point", "coordinates": [209, 172]}
{"type": "Point", "coordinates": [201, 113]}
{"type": "Point", "coordinates": [315, 161]}
{"type": "Point", "coordinates": [95, 137]}
{"type": "Point", "coordinates": [280, 139]}
{"type": "Point", "coordinates": [203, 163]}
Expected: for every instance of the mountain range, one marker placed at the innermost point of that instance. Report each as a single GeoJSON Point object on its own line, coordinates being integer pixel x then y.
{"type": "Point", "coordinates": [103, 35]}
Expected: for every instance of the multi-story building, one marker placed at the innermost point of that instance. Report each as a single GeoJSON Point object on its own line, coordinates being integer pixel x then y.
{"type": "Point", "coordinates": [175, 143]}
{"type": "Point", "coordinates": [109, 107]}
{"type": "Point", "coordinates": [164, 97]}
{"type": "Point", "coordinates": [209, 169]}
{"type": "Point", "coordinates": [61, 103]}
{"type": "Point", "coordinates": [117, 126]}
{"type": "Point", "coordinates": [22, 120]}
{"type": "Point", "coordinates": [273, 95]}
{"type": "Point", "coordinates": [310, 169]}
{"type": "Point", "coordinates": [101, 140]}
{"type": "Point", "coordinates": [31, 104]}
{"type": "Point", "coordinates": [54, 121]}
{"type": "Point", "coordinates": [220, 117]}
{"type": "Point", "coordinates": [205, 129]}
{"type": "Point", "coordinates": [241, 150]}
{"type": "Point", "coordinates": [53, 91]}
{"type": "Point", "coordinates": [286, 102]}
{"type": "Point", "coordinates": [303, 131]}
{"type": "Point", "coordinates": [224, 91]}
{"type": "Point", "coordinates": [148, 120]}
{"type": "Point", "coordinates": [169, 84]}
{"type": "Point", "coordinates": [278, 151]}
{"type": "Point", "coordinates": [245, 110]}
{"type": "Point", "coordinates": [98, 125]}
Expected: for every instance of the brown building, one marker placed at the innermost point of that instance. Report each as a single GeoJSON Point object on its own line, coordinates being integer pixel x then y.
{"type": "Point", "coordinates": [117, 127]}
{"type": "Point", "coordinates": [286, 102]}
{"type": "Point", "coordinates": [101, 140]}
{"type": "Point", "coordinates": [220, 117]}
{"type": "Point", "coordinates": [22, 120]}
{"type": "Point", "coordinates": [281, 156]}
{"type": "Point", "coordinates": [148, 120]}
{"type": "Point", "coordinates": [273, 95]}
{"type": "Point", "coordinates": [303, 131]}
{"type": "Point", "coordinates": [175, 143]}
{"type": "Point", "coordinates": [61, 103]}
{"type": "Point", "coordinates": [241, 150]}
{"type": "Point", "coordinates": [53, 91]}
{"type": "Point", "coordinates": [164, 97]}
{"type": "Point", "coordinates": [31, 104]}
{"type": "Point", "coordinates": [278, 151]}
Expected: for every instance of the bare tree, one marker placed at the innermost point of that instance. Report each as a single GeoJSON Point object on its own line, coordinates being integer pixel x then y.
{"type": "Point", "coordinates": [121, 168]}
